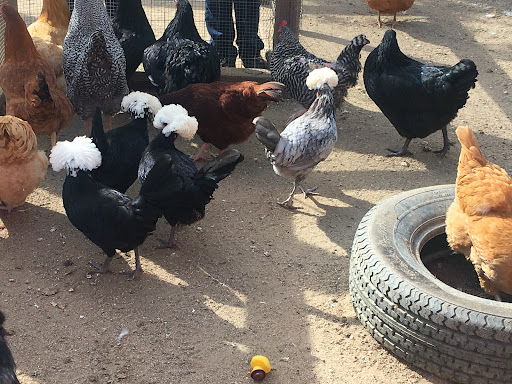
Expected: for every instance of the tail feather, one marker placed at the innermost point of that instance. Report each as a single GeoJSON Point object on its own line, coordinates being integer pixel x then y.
{"type": "Point", "coordinates": [462, 75]}
{"type": "Point", "coordinates": [266, 133]}
{"type": "Point", "coordinates": [221, 167]}
{"type": "Point", "coordinates": [97, 132]}
{"type": "Point", "coordinates": [271, 90]}
{"type": "Point", "coordinates": [353, 49]}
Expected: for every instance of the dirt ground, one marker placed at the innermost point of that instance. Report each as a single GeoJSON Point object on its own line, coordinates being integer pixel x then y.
{"type": "Point", "coordinates": [252, 277]}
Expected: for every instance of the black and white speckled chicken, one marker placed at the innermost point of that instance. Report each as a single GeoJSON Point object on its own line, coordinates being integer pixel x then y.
{"type": "Point", "coordinates": [418, 99]}
{"type": "Point", "coordinates": [93, 61]}
{"type": "Point", "coordinates": [291, 64]}
{"type": "Point", "coordinates": [307, 140]}
{"type": "Point", "coordinates": [181, 57]}
{"type": "Point", "coordinates": [134, 32]}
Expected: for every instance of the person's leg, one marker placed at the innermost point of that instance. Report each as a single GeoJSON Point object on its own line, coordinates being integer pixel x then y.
{"type": "Point", "coordinates": [219, 23]}
{"type": "Point", "coordinates": [247, 14]}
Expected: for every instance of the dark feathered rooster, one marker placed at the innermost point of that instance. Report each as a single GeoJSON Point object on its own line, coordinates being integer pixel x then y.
{"type": "Point", "coordinates": [224, 110]}
{"type": "Point", "coordinates": [108, 218]}
{"type": "Point", "coordinates": [417, 99]}
{"type": "Point", "coordinates": [133, 31]}
{"type": "Point", "coordinates": [291, 64]}
{"type": "Point", "coordinates": [122, 147]}
{"type": "Point", "coordinates": [307, 140]}
{"type": "Point", "coordinates": [7, 366]}
{"type": "Point", "coordinates": [187, 199]}
{"type": "Point", "coordinates": [181, 57]}
{"type": "Point", "coordinates": [94, 63]}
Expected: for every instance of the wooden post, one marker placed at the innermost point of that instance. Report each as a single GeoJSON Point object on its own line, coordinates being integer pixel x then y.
{"type": "Point", "coordinates": [288, 10]}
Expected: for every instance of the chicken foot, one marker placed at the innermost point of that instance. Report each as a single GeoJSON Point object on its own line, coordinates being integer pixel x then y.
{"type": "Point", "coordinates": [446, 143]}
{"type": "Point", "coordinates": [201, 154]}
{"type": "Point", "coordinates": [138, 267]}
{"type": "Point", "coordinates": [171, 243]}
{"type": "Point", "coordinates": [288, 203]}
{"type": "Point", "coordinates": [89, 126]}
{"type": "Point", "coordinates": [104, 268]}
{"type": "Point", "coordinates": [402, 152]}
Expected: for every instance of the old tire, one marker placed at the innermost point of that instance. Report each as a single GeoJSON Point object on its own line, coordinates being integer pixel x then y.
{"type": "Point", "coordinates": [429, 324]}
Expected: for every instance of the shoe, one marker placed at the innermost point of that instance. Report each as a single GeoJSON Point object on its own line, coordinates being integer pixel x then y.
{"type": "Point", "coordinates": [227, 62]}
{"type": "Point", "coordinates": [254, 62]}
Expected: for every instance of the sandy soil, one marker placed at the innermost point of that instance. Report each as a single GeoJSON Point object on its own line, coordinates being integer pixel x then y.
{"type": "Point", "coordinates": [252, 277]}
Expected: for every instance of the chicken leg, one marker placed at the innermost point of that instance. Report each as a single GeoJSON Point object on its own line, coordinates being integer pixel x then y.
{"type": "Point", "coordinates": [446, 143]}
{"type": "Point", "coordinates": [89, 126]}
{"type": "Point", "coordinates": [201, 154]}
{"type": "Point", "coordinates": [53, 138]}
{"type": "Point", "coordinates": [138, 267]}
{"type": "Point", "coordinates": [104, 268]}
{"type": "Point", "coordinates": [402, 152]}
{"type": "Point", "coordinates": [109, 122]}
{"type": "Point", "coordinates": [171, 243]}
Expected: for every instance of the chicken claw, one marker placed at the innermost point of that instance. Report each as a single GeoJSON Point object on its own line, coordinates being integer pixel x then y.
{"type": "Point", "coordinates": [138, 268]}
{"type": "Point", "coordinates": [104, 268]}
{"type": "Point", "coordinates": [309, 192]}
{"type": "Point", "coordinates": [201, 155]}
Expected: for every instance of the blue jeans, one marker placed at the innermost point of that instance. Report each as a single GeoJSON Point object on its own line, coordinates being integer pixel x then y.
{"type": "Point", "coordinates": [219, 22]}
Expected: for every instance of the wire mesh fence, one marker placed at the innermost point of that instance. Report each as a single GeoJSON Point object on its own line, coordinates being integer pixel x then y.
{"type": "Point", "coordinates": [161, 12]}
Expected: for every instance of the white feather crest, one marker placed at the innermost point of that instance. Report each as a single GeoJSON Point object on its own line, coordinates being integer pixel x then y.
{"type": "Point", "coordinates": [138, 103]}
{"type": "Point", "coordinates": [81, 153]}
{"type": "Point", "coordinates": [175, 118]}
{"type": "Point", "coordinates": [317, 78]}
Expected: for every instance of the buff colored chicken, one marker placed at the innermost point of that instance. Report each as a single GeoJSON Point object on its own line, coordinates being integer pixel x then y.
{"type": "Point", "coordinates": [28, 81]}
{"type": "Point", "coordinates": [48, 33]}
{"type": "Point", "coordinates": [389, 7]}
{"type": "Point", "coordinates": [479, 222]}
{"type": "Point", "coordinates": [22, 166]}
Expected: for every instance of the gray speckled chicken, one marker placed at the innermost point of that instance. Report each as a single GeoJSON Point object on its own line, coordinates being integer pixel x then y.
{"type": "Point", "coordinates": [307, 140]}
{"type": "Point", "coordinates": [93, 62]}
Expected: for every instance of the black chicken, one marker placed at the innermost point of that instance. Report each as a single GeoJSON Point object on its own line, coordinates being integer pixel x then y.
{"type": "Point", "coordinates": [7, 366]}
{"type": "Point", "coordinates": [417, 99]}
{"type": "Point", "coordinates": [122, 148]}
{"type": "Point", "coordinates": [291, 64]}
{"type": "Point", "coordinates": [187, 199]}
{"type": "Point", "coordinates": [108, 218]}
{"type": "Point", "coordinates": [133, 31]}
{"type": "Point", "coordinates": [181, 57]}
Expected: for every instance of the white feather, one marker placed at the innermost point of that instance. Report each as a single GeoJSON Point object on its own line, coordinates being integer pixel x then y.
{"type": "Point", "coordinates": [81, 153]}
{"type": "Point", "coordinates": [175, 118]}
{"type": "Point", "coordinates": [139, 103]}
{"type": "Point", "coordinates": [317, 78]}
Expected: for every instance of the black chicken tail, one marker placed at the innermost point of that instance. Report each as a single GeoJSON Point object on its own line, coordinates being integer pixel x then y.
{"type": "Point", "coordinates": [98, 134]}
{"type": "Point", "coordinates": [462, 75]}
{"type": "Point", "coordinates": [43, 92]}
{"type": "Point", "coordinates": [266, 133]}
{"type": "Point", "coordinates": [154, 192]}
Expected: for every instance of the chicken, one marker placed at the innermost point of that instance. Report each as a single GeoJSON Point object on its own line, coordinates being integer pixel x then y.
{"type": "Point", "coordinates": [181, 57]}
{"type": "Point", "coordinates": [48, 33]}
{"type": "Point", "coordinates": [389, 7]}
{"type": "Point", "coordinates": [133, 31]}
{"type": "Point", "coordinates": [22, 166]}
{"type": "Point", "coordinates": [29, 82]}
{"type": "Point", "coordinates": [122, 148]}
{"type": "Point", "coordinates": [307, 140]}
{"type": "Point", "coordinates": [479, 222]}
{"type": "Point", "coordinates": [94, 62]}
{"type": "Point", "coordinates": [417, 99]}
{"type": "Point", "coordinates": [188, 198]}
{"type": "Point", "coordinates": [108, 218]}
{"type": "Point", "coordinates": [291, 63]}
{"type": "Point", "coordinates": [7, 366]}
{"type": "Point", "coordinates": [224, 110]}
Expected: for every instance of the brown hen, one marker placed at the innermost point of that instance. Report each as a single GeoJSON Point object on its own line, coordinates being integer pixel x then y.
{"type": "Point", "coordinates": [224, 110]}
{"type": "Point", "coordinates": [48, 33]}
{"type": "Point", "coordinates": [29, 82]}
{"type": "Point", "coordinates": [479, 222]}
{"type": "Point", "coordinates": [22, 166]}
{"type": "Point", "coordinates": [389, 7]}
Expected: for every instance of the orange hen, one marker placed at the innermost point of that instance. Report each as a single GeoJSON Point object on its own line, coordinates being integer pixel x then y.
{"type": "Point", "coordinates": [479, 222]}
{"type": "Point", "coordinates": [224, 110]}
{"type": "Point", "coordinates": [29, 82]}
{"type": "Point", "coordinates": [48, 33]}
{"type": "Point", "coordinates": [389, 7]}
{"type": "Point", "coordinates": [22, 166]}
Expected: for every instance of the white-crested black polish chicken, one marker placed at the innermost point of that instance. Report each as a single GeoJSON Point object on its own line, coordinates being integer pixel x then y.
{"type": "Point", "coordinates": [291, 64]}
{"type": "Point", "coordinates": [418, 99]}
{"type": "Point", "coordinates": [122, 147]}
{"type": "Point", "coordinates": [108, 218]}
{"type": "Point", "coordinates": [306, 140]}
{"type": "Point", "coordinates": [181, 57]}
{"type": "Point", "coordinates": [187, 199]}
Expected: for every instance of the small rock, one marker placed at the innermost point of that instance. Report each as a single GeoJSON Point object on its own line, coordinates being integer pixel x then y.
{"type": "Point", "coordinates": [49, 291]}
{"type": "Point", "coordinates": [404, 164]}
{"type": "Point", "coordinates": [67, 263]}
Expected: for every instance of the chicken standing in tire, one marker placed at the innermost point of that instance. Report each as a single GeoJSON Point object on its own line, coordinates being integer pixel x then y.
{"type": "Point", "coordinates": [411, 313]}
